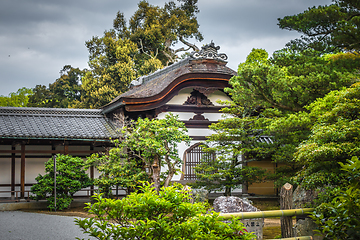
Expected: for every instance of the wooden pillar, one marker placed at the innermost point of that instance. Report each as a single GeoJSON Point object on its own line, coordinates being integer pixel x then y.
{"type": "Point", "coordinates": [66, 148]}
{"type": "Point", "coordinates": [22, 172]}
{"type": "Point", "coordinates": [13, 173]}
{"type": "Point", "coordinates": [92, 174]}
{"type": "Point", "coordinates": [286, 197]}
{"type": "Point", "coordinates": [244, 187]}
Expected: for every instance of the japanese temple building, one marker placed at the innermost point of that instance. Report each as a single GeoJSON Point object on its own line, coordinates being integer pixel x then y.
{"type": "Point", "coordinates": [189, 88]}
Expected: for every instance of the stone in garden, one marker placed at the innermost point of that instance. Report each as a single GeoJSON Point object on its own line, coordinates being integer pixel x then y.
{"type": "Point", "coordinates": [235, 204]}
{"type": "Point", "coordinates": [232, 204]}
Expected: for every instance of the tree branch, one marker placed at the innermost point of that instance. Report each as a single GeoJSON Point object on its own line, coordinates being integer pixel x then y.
{"type": "Point", "coordinates": [193, 46]}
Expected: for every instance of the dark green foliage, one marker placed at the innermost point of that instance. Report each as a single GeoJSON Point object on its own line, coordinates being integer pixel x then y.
{"type": "Point", "coordinates": [282, 87]}
{"type": "Point", "coordinates": [334, 138]}
{"type": "Point", "coordinates": [338, 216]}
{"type": "Point", "coordinates": [70, 178]}
{"type": "Point", "coordinates": [326, 27]}
{"type": "Point", "coordinates": [167, 214]}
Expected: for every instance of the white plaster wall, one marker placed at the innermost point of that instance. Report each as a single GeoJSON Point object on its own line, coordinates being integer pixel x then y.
{"type": "Point", "coordinates": [185, 93]}
{"type": "Point", "coordinates": [185, 116]}
{"type": "Point", "coordinates": [216, 96]}
{"type": "Point", "coordinates": [181, 97]}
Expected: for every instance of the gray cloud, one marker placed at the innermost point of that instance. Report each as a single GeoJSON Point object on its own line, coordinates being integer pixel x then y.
{"type": "Point", "coordinates": [39, 37]}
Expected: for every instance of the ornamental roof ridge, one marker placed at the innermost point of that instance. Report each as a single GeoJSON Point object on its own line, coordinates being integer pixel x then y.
{"type": "Point", "coordinates": [209, 51]}
{"type": "Point", "coordinates": [49, 111]}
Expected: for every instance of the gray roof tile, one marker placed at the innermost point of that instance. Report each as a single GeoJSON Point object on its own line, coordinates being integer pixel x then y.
{"type": "Point", "coordinates": [55, 123]}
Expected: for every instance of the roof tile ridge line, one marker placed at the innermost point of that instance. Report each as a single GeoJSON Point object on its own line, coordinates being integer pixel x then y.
{"type": "Point", "coordinates": [52, 112]}
{"type": "Point", "coordinates": [165, 70]}
{"type": "Point", "coordinates": [48, 109]}
{"type": "Point", "coordinates": [99, 115]}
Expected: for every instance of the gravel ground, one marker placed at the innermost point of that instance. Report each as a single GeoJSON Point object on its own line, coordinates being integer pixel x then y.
{"type": "Point", "coordinates": [16, 225]}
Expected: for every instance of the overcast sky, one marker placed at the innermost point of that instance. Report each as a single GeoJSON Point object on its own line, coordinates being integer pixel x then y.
{"type": "Point", "coordinates": [39, 37]}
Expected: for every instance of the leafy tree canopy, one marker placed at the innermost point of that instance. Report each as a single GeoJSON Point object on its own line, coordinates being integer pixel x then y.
{"type": "Point", "coordinates": [65, 92]}
{"type": "Point", "coordinates": [168, 214]}
{"type": "Point", "coordinates": [137, 47]}
{"type": "Point", "coordinates": [289, 80]}
{"type": "Point", "coordinates": [20, 98]}
{"type": "Point", "coordinates": [336, 26]}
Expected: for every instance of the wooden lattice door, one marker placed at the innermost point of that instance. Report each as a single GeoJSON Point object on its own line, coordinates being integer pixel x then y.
{"type": "Point", "coordinates": [194, 156]}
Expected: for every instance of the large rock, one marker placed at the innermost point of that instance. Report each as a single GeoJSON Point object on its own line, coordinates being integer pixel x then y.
{"type": "Point", "coordinates": [232, 204]}
{"type": "Point", "coordinates": [305, 226]}
{"type": "Point", "coordinates": [235, 204]}
{"type": "Point", "coordinates": [303, 198]}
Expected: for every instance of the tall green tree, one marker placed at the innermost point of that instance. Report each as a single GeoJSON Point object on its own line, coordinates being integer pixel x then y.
{"type": "Point", "coordinates": [137, 47]}
{"type": "Point", "coordinates": [282, 86]}
{"type": "Point", "coordinates": [329, 27]}
{"type": "Point", "coordinates": [20, 98]}
{"type": "Point", "coordinates": [111, 70]}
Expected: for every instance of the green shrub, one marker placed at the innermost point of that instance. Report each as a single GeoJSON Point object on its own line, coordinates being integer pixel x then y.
{"type": "Point", "coordinates": [151, 215]}
{"type": "Point", "coordinates": [338, 217]}
{"type": "Point", "coordinates": [70, 178]}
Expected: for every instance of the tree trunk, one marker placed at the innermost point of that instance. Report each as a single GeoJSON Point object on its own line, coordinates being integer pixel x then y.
{"type": "Point", "coordinates": [286, 197]}
{"type": "Point", "coordinates": [156, 173]}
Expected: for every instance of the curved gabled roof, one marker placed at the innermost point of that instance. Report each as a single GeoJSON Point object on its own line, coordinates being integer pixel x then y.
{"type": "Point", "coordinates": [206, 69]}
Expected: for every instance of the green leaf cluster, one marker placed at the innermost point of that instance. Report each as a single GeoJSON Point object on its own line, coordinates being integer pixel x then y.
{"type": "Point", "coordinates": [117, 168]}
{"type": "Point", "coordinates": [167, 214]}
{"type": "Point", "coordinates": [70, 178]}
{"type": "Point", "coordinates": [334, 137]}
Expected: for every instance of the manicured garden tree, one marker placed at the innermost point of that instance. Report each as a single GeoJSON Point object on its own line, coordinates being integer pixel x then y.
{"type": "Point", "coordinates": [70, 178]}
{"type": "Point", "coordinates": [334, 139]}
{"type": "Point", "coordinates": [167, 214]}
{"type": "Point", "coordinates": [229, 149]}
{"type": "Point", "coordinates": [155, 142]}
{"type": "Point", "coordinates": [143, 149]}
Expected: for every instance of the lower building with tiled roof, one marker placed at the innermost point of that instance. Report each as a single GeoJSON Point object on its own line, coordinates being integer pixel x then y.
{"type": "Point", "coordinates": [30, 136]}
